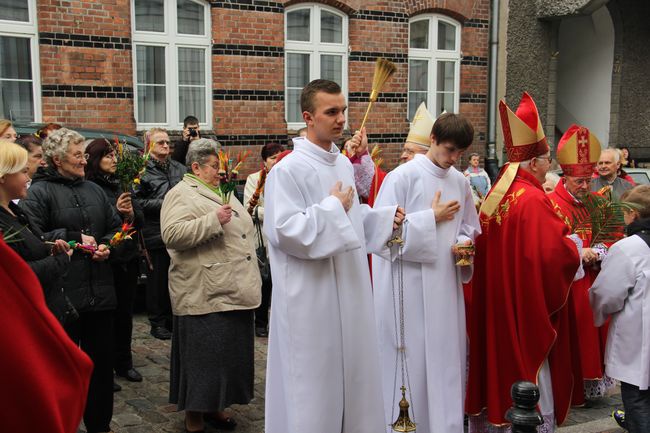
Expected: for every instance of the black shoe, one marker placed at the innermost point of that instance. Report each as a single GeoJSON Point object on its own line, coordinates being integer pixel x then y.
{"type": "Point", "coordinates": [161, 333]}
{"type": "Point", "coordinates": [261, 332]}
{"type": "Point", "coordinates": [131, 375]}
{"type": "Point", "coordinates": [116, 387]}
{"type": "Point", "coordinates": [220, 424]}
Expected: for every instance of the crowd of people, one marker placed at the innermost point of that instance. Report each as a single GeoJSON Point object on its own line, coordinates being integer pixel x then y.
{"type": "Point", "coordinates": [425, 288]}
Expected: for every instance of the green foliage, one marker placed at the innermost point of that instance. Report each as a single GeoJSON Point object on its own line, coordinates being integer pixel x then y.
{"type": "Point", "coordinates": [130, 167]}
{"type": "Point", "coordinates": [601, 216]}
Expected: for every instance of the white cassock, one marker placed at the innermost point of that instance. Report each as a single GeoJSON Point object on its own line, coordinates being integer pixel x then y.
{"type": "Point", "coordinates": [434, 306]}
{"type": "Point", "coordinates": [323, 373]}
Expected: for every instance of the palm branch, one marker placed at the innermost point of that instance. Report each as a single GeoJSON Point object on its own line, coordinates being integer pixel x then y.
{"type": "Point", "coordinates": [601, 216]}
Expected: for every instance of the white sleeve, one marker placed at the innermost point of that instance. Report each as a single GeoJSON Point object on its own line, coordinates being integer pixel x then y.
{"type": "Point", "coordinates": [363, 175]}
{"type": "Point", "coordinates": [616, 278]}
{"type": "Point", "coordinates": [315, 231]}
{"type": "Point", "coordinates": [470, 228]}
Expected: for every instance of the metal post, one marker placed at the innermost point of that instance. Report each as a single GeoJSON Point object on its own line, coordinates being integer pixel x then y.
{"type": "Point", "coordinates": [523, 414]}
{"type": "Point", "coordinates": [491, 161]}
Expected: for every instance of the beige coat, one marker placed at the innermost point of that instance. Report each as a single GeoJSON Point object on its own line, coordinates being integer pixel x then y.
{"type": "Point", "coordinates": [213, 267]}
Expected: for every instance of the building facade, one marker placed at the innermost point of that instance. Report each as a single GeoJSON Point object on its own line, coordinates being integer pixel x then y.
{"type": "Point", "coordinates": [239, 65]}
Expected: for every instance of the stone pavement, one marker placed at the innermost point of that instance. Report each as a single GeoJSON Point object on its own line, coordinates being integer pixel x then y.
{"type": "Point", "coordinates": [143, 407]}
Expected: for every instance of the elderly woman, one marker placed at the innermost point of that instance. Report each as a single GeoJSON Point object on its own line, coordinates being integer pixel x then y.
{"type": "Point", "coordinates": [125, 259]}
{"type": "Point", "coordinates": [214, 284]}
{"type": "Point", "coordinates": [49, 262]}
{"type": "Point", "coordinates": [7, 131]}
{"type": "Point", "coordinates": [62, 205]}
{"type": "Point", "coordinates": [254, 201]}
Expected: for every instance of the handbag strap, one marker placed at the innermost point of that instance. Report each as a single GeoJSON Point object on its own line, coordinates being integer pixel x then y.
{"type": "Point", "coordinates": [258, 227]}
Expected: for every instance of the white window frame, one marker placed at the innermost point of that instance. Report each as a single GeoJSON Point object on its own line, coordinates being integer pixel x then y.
{"type": "Point", "coordinates": [28, 30]}
{"type": "Point", "coordinates": [315, 49]}
{"type": "Point", "coordinates": [432, 55]}
{"type": "Point", "coordinates": [171, 40]}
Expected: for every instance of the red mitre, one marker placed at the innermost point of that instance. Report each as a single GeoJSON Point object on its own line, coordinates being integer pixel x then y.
{"type": "Point", "coordinates": [522, 131]}
{"type": "Point", "coordinates": [578, 152]}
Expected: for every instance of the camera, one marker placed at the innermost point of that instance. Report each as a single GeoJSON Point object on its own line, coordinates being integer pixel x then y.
{"type": "Point", "coordinates": [193, 132]}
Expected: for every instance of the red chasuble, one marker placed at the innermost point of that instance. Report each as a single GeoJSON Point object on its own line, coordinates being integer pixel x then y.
{"type": "Point", "coordinates": [377, 179]}
{"type": "Point", "coordinates": [590, 346]}
{"type": "Point", "coordinates": [523, 269]}
{"type": "Point", "coordinates": [45, 376]}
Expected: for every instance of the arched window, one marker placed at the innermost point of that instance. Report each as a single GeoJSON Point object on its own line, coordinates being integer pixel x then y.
{"type": "Point", "coordinates": [171, 62]}
{"type": "Point", "coordinates": [19, 66]}
{"type": "Point", "coordinates": [316, 46]}
{"type": "Point", "coordinates": [434, 63]}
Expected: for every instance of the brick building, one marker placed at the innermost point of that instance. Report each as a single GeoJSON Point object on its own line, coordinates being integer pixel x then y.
{"type": "Point", "coordinates": [239, 65]}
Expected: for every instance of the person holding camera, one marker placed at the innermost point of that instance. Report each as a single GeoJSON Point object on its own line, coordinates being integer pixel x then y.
{"type": "Point", "coordinates": [191, 132]}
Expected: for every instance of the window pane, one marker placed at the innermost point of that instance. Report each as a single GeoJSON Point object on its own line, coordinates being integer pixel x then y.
{"type": "Point", "coordinates": [191, 101]}
{"type": "Point", "coordinates": [150, 15]}
{"type": "Point", "coordinates": [446, 72]}
{"type": "Point", "coordinates": [331, 29]}
{"type": "Point", "coordinates": [298, 25]}
{"type": "Point", "coordinates": [191, 66]}
{"type": "Point", "coordinates": [15, 58]}
{"type": "Point", "coordinates": [415, 99]}
{"type": "Point", "coordinates": [150, 65]}
{"type": "Point", "coordinates": [151, 104]}
{"type": "Point", "coordinates": [297, 70]}
{"type": "Point", "coordinates": [14, 10]}
{"type": "Point", "coordinates": [331, 68]}
{"type": "Point", "coordinates": [293, 105]}
{"type": "Point", "coordinates": [418, 75]}
{"type": "Point", "coordinates": [446, 36]}
{"type": "Point", "coordinates": [444, 102]}
{"type": "Point", "coordinates": [419, 34]}
{"type": "Point", "coordinates": [17, 100]}
{"type": "Point", "coordinates": [190, 18]}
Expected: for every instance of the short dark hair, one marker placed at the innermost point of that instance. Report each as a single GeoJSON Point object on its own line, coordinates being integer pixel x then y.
{"type": "Point", "coordinates": [453, 128]}
{"type": "Point", "coordinates": [270, 149]}
{"type": "Point", "coordinates": [29, 141]}
{"type": "Point", "coordinates": [310, 90]}
{"type": "Point", "coordinates": [96, 150]}
{"type": "Point", "coordinates": [190, 120]}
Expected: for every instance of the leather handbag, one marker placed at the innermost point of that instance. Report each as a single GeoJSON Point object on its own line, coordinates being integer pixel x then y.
{"type": "Point", "coordinates": [262, 258]}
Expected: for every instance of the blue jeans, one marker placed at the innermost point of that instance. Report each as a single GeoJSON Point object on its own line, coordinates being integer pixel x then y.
{"type": "Point", "coordinates": [637, 408]}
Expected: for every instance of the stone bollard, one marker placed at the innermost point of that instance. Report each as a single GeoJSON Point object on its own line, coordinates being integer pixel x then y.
{"type": "Point", "coordinates": [523, 414]}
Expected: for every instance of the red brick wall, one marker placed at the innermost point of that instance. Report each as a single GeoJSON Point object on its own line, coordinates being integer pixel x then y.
{"type": "Point", "coordinates": [248, 67]}
{"type": "Point", "coordinates": [86, 68]}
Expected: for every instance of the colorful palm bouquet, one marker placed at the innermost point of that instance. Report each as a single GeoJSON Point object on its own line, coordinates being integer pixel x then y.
{"type": "Point", "coordinates": [228, 174]}
{"type": "Point", "coordinates": [131, 166]}
{"type": "Point", "coordinates": [126, 233]}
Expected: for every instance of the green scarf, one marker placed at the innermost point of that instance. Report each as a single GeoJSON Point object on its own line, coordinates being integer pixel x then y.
{"type": "Point", "coordinates": [214, 189]}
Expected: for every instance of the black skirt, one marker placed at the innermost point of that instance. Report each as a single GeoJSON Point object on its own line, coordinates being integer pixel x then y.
{"type": "Point", "coordinates": [212, 361]}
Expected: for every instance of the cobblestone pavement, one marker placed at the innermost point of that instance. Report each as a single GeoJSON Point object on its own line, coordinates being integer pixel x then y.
{"type": "Point", "coordinates": [143, 407]}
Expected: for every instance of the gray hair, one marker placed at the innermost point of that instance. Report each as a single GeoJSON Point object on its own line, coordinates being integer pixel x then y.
{"type": "Point", "coordinates": [200, 150]}
{"type": "Point", "coordinates": [552, 177]}
{"type": "Point", "coordinates": [57, 143]}
{"type": "Point", "coordinates": [615, 152]}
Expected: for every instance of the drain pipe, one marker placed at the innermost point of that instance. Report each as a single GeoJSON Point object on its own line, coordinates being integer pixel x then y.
{"type": "Point", "coordinates": [491, 161]}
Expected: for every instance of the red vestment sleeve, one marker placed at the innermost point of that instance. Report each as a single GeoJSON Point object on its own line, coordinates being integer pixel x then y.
{"type": "Point", "coordinates": [45, 376]}
{"type": "Point", "coordinates": [523, 270]}
{"type": "Point", "coordinates": [377, 180]}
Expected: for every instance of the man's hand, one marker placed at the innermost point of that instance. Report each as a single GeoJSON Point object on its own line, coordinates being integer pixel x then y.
{"type": "Point", "coordinates": [463, 252]}
{"type": "Point", "coordinates": [125, 205]}
{"type": "Point", "coordinates": [589, 256]}
{"type": "Point", "coordinates": [444, 211]}
{"type": "Point", "coordinates": [101, 253]}
{"type": "Point", "coordinates": [399, 218]}
{"type": "Point", "coordinates": [358, 144]}
{"type": "Point", "coordinates": [61, 247]}
{"type": "Point", "coordinates": [224, 213]}
{"type": "Point", "coordinates": [345, 196]}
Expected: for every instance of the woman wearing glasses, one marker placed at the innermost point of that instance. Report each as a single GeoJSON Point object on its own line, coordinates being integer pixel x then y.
{"type": "Point", "coordinates": [214, 284]}
{"type": "Point", "coordinates": [62, 205]}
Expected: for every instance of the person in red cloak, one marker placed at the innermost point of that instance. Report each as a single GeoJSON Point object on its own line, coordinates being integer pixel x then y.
{"type": "Point", "coordinates": [578, 152]}
{"type": "Point", "coordinates": [524, 265]}
{"type": "Point", "coordinates": [45, 376]}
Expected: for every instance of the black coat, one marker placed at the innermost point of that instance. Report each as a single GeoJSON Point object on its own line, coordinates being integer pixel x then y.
{"type": "Point", "coordinates": [28, 244]}
{"type": "Point", "coordinates": [154, 185]}
{"type": "Point", "coordinates": [129, 249]}
{"type": "Point", "coordinates": [64, 208]}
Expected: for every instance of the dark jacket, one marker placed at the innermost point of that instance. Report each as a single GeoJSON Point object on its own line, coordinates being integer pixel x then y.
{"type": "Point", "coordinates": [129, 249]}
{"type": "Point", "coordinates": [28, 244]}
{"type": "Point", "coordinates": [180, 150]}
{"type": "Point", "coordinates": [64, 208]}
{"type": "Point", "coordinates": [157, 180]}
